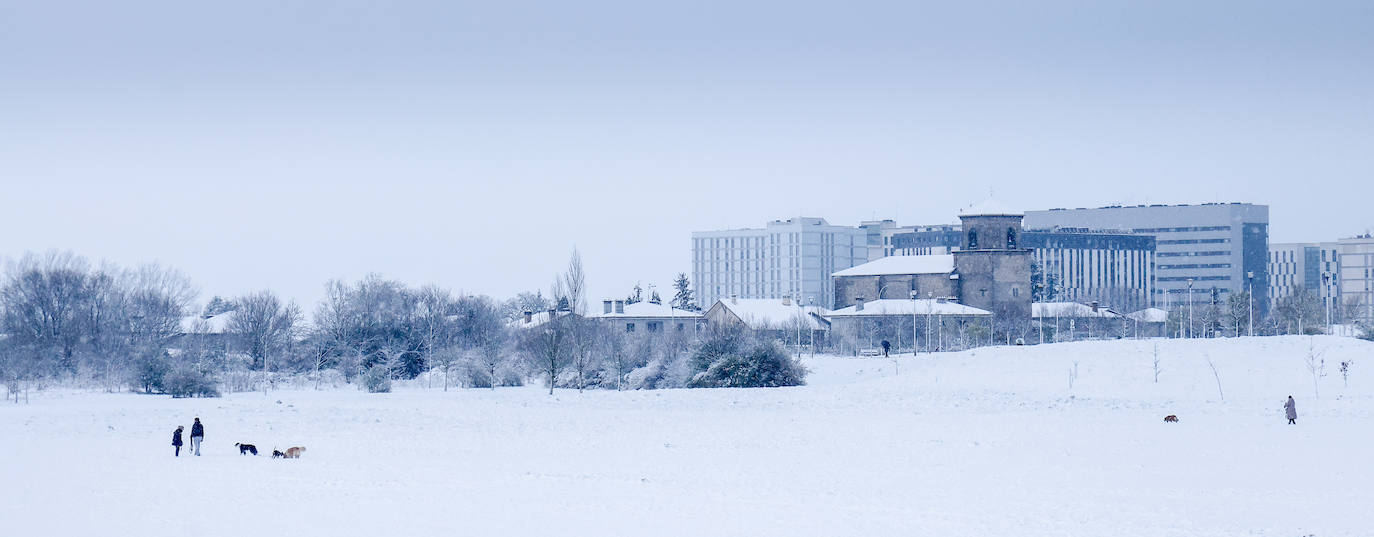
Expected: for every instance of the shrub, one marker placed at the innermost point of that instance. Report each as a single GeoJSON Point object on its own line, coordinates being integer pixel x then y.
{"type": "Point", "coordinates": [150, 372]}
{"type": "Point", "coordinates": [189, 382]}
{"type": "Point", "coordinates": [755, 365]}
{"type": "Point", "coordinates": [377, 379]}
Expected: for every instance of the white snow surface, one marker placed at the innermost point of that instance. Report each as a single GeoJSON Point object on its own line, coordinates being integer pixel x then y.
{"type": "Point", "coordinates": [1041, 310]}
{"type": "Point", "coordinates": [991, 441]}
{"type": "Point", "coordinates": [765, 313]}
{"type": "Point", "coordinates": [922, 306]}
{"type": "Point", "coordinates": [902, 264]}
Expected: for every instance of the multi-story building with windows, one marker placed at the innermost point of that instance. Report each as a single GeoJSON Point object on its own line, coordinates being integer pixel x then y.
{"type": "Point", "coordinates": [1305, 266]}
{"type": "Point", "coordinates": [1356, 278]}
{"type": "Point", "coordinates": [1113, 269]}
{"type": "Point", "coordinates": [1202, 251]}
{"type": "Point", "coordinates": [790, 258]}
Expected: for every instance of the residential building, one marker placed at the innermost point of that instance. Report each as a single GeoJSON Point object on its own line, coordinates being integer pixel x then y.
{"type": "Point", "coordinates": [1221, 246]}
{"type": "Point", "coordinates": [648, 317]}
{"type": "Point", "coordinates": [781, 319]}
{"type": "Point", "coordinates": [790, 258]}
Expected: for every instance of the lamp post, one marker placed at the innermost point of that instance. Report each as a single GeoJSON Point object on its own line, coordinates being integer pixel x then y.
{"type": "Point", "coordinates": [1190, 308]}
{"type": "Point", "coordinates": [1326, 304]}
{"type": "Point", "coordinates": [914, 294]}
{"type": "Point", "coordinates": [1250, 301]}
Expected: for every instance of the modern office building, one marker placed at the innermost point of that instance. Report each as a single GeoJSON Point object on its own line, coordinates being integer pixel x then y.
{"type": "Point", "coordinates": [790, 258]}
{"type": "Point", "coordinates": [1356, 278]}
{"type": "Point", "coordinates": [1305, 266]}
{"type": "Point", "coordinates": [1199, 248]}
{"type": "Point", "coordinates": [1113, 269]}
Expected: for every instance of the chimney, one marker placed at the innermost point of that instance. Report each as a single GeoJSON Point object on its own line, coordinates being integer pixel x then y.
{"type": "Point", "coordinates": [858, 303]}
{"type": "Point", "coordinates": [529, 317]}
{"type": "Point", "coordinates": [787, 301]}
{"type": "Point", "coordinates": [1094, 306]}
{"type": "Point", "coordinates": [606, 306]}
{"type": "Point", "coordinates": [734, 299]}
{"type": "Point", "coordinates": [620, 306]}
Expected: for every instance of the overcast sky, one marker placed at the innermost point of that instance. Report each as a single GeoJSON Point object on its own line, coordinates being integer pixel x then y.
{"type": "Point", "coordinates": [280, 144]}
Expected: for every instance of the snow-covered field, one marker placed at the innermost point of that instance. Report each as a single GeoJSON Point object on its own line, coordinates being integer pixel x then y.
{"type": "Point", "coordinates": [987, 442]}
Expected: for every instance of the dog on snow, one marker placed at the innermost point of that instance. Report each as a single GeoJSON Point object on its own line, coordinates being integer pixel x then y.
{"type": "Point", "coordinates": [247, 448]}
{"type": "Point", "coordinates": [294, 452]}
{"type": "Point", "coordinates": [1171, 418]}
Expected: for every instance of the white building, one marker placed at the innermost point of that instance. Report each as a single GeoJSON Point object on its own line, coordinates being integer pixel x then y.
{"type": "Point", "coordinates": [1221, 246]}
{"type": "Point", "coordinates": [1311, 266]}
{"type": "Point", "coordinates": [648, 317]}
{"type": "Point", "coordinates": [790, 258]}
{"type": "Point", "coordinates": [1356, 278]}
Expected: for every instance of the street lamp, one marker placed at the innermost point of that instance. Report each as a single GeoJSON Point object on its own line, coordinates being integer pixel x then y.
{"type": "Point", "coordinates": [1326, 303]}
{"type": "Point", "coordinates": [1250, 300]}
{"type": "Point", "coordinates": [914, 294]}
{"type": "Point", "coordinates": [1190, 308]}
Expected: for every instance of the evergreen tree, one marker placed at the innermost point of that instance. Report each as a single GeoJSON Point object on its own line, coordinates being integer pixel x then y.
{"type": "Point", "coordinates": [683, 299]}
{"type": "Point", "coordinates": [1044, 287]}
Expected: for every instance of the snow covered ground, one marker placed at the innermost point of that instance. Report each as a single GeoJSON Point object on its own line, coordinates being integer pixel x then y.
{"type": "Point", "coordinates": [986, 442]}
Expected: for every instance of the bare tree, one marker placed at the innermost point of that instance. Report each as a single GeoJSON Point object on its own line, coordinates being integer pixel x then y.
{"type": "Point", "coordinates": [1216, 376]}
{"type": "Point", "coordinates": [264, 327]}
{"type": "Point", "coordinates": [575, 284]}
{"type": "Point", "coordinates": [1156, 363]}
{"type": "Point", "coordinates": [1316, 365]}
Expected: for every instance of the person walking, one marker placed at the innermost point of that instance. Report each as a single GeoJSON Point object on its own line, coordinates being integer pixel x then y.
{"type": "Point", "coordinates": [176, 440]}
{"type": "Point", "coordinates": [197, 436]}
{"type": "Point", "coordinates": [1290, 409]}
{"type": "Point", "coordinates": [886, 346]}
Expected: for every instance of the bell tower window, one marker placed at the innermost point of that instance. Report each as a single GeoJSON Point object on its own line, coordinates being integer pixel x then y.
{"type": "Point", "coordinates": [973, 239]}
{"type": "Point", "coordinates": [1011, 238]}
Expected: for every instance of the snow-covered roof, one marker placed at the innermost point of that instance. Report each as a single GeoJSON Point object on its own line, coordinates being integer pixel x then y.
{"type": "Point", "coordinates": [1149, 315]}
{"type": "Point", "coordinates": [200, 324]}
{"type": "Point", "coordinates": [989, 207]}
{"type": "Point", "coordinates": [537, 318]}
{"type": "Point", "coordinates": [647, 309]}
{"type": "Point", "coordinates": [1070, 309]}
{"type": "Point", "coordinates": [903, 264]}
{"type": "Point", "coordinates": [922, 306]}
{"type": "Point", "coordinates": [761, 313]}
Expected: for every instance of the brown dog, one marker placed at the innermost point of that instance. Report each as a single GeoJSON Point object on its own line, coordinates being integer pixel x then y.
{"type": "Point", "coordinates": [294, 452]}
{"type": "Point", "coordinates": [1171, 418]}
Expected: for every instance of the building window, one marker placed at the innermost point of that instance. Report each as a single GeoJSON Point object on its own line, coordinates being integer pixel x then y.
{"type": "Point", "coordinates": [629, 327]}
{"type": "Point", "coordinates": [972, 239]}
{"type": "Point", "coordinates": [1011, 238]}
{"type": "Point", "coordinates": [653, 327]}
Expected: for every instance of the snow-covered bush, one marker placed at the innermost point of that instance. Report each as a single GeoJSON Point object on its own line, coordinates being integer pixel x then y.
{"type": "Point", "coordinates": [377, 380]}
{"type": "Point", "coordinates": [149, 373]}
{"type": "Point", "coordinates": [730, 358]}
{"type": "Point", "coordinates": [189, 382]}
{"type": "Point", "coordinates": [758, 365]}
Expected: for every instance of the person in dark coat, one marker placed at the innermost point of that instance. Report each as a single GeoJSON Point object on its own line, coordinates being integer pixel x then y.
{"type": "Point", "coordinates": [1290, 409]}
{"type": "Point", "coordinates": [197, 436]}
{"type": "Point", "coordinates": [886, 347]}
{"type": "Point", "coordinates": [176, 440]}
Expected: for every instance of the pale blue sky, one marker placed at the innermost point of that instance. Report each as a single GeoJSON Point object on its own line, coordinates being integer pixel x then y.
{"type": "Point", "coordinates": [280, 144]}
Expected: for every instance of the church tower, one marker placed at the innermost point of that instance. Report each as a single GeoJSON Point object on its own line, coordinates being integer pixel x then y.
{"type": "Point", "coordinates": [994, 270]}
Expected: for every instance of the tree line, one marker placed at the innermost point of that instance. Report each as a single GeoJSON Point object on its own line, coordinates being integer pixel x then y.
{"type": "Point", "coordinates": [64, 319]}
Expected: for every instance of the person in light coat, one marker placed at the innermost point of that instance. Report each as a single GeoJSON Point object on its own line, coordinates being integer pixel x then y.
{"type": "Point", "coordinates": [1290, 409]}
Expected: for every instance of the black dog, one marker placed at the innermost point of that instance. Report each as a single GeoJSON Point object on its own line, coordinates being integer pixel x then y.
{"type": "Point", "coordinates": [247, 448]}
{"type": "Point", "coordinates": [277, 454]}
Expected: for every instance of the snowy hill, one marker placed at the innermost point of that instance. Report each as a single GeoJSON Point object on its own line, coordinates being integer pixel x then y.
{"type": "Point", "coordinates": [992, 441]}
